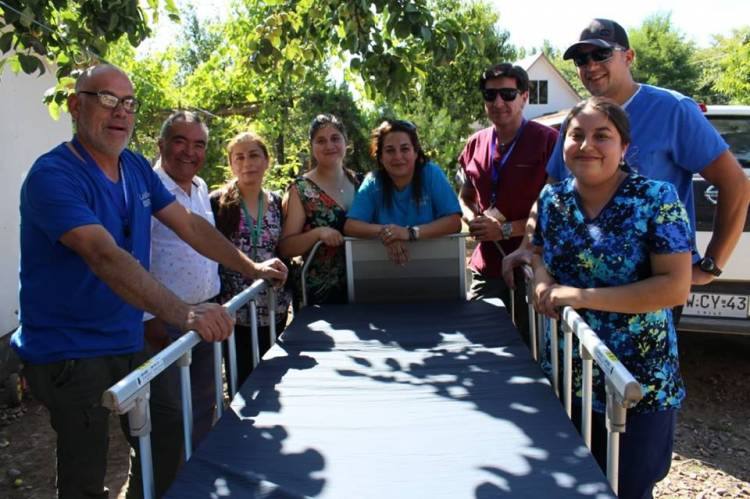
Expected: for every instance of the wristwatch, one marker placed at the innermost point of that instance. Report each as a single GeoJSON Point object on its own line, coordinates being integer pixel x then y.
{"type": "Point", "coordinates": [506, 229]}
{"type": "Point", "coordinates": [707, 264]}
{"type": "Point", "coordinates": [413, 233]}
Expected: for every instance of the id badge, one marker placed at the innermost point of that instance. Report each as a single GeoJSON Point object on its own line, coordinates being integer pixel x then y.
{"type": "Point", "coordinates": [493, 212]}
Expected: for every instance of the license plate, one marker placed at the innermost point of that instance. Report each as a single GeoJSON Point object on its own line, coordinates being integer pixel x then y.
{"type": "Point", "coordinates": [716, 305]}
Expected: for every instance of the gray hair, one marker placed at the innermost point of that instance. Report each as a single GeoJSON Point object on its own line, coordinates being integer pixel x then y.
{"type": "Point", "coordinates": [182, 116]}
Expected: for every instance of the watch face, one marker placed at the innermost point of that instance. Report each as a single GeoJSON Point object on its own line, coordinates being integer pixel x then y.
{"type": "Point", "coordinates": [707, 264]}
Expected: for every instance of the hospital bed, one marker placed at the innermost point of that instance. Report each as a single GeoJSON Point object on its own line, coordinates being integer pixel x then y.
{"type": "Point", "coordinates": [395, 395]}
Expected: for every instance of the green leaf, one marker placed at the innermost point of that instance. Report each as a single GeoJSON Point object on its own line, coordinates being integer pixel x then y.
{"type": "Point", "coordinates": [27, 17]}
{"type": "Point", "coordinates": [28, 63]}
{"type": "Point", "coordinates": [15, 66]}
{"type": "Point", "coordinates": [403, 28]}
{"type": "Point", "coordinates": [426, 34]}
{"type": "Point", "coordinates": [5, 41]}
{"type": "Point", "coordinates": [114, 19]}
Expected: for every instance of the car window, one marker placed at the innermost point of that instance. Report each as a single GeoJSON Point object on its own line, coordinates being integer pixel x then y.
{"type": "Point", "coordinates": [736, 131]}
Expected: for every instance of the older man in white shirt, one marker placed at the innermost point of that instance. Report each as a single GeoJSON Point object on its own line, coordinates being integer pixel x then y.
{"type": "Point", "coordinates": [187, 273]}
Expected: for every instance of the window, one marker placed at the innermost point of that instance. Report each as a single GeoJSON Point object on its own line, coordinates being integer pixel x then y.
{"type": "Point", "coordinates": [537, 91]}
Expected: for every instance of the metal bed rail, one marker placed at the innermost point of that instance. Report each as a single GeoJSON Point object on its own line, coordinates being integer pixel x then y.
{"type": "Point", "coordinates": [131, 394]}
{"type": "Point", "coordinates": [622, 390]}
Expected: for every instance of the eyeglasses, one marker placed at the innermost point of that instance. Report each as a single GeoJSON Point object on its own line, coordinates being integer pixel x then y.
{"type": "Point", "coordinates": [110, 101]}
{"type": "Point", "coordinates": [507, 94]}
{"type": "Point", "coordinates": [580, 59]}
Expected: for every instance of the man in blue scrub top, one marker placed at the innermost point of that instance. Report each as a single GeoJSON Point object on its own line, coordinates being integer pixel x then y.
{"type": "Point", "coordinates": [671, 140]}
{"type": "Point", "coordinates": [86, 210]}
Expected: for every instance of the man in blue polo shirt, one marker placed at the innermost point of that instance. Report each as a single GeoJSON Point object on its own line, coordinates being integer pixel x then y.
{"type": "Point", "coordinates": [86, 210]}
{"type": "Point", "coordinates": [671, 140]}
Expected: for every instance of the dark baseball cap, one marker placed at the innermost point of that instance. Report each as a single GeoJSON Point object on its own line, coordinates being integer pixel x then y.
{"type": "Point", "coordinates": [603, 33]}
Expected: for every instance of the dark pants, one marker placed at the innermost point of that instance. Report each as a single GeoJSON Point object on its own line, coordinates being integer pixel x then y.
{"type": "Point", "coordinates": [494, 287]}
{"type": "Point", "coordinates": [645, 449]}
{"type": "Point", "coordinates": [72, 391]}
{"type": "Point", "coordinates": [244, 346]}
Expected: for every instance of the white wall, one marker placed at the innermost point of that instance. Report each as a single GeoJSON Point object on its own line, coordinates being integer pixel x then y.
{"type": "Point", "coordinates": [26, 132]}
{"type": "Point", "coordinates": [559, 95]}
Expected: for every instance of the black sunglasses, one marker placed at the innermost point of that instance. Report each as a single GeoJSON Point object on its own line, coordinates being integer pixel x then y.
{"type": "Point", "coordinates": [580, 59]}
{"type": "Point", "coordinates": [507, 94]}
{"type": "Point", "coordinates": [110, 101]}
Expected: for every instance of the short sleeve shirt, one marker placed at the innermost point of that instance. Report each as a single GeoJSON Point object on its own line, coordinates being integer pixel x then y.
{"type": "Point", "coordinates": [519, 181]}
{"type": "Point", "coordinates": [671, 140]}
{"type": "Point", "coordinates": [438, 200]}
{"type": "Point", "coordinates": [67, 312]}
{"type": "Point", "coordinates": [643, 217]}
{"type": "Point", "coordinates": [188, 274]}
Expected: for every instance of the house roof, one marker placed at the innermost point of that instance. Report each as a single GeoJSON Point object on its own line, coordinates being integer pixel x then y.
{"type": "Point", "coordinates": [527, 62]}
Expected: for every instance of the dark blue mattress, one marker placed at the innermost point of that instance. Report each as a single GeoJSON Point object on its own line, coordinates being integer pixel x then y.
{"type": "Point", "coordinates": [425, 400]}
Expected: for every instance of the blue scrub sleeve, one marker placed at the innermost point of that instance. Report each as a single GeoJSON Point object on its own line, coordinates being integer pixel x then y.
{"type": "Point", "coordinates": [669, 229]}
{"type": "Point", "coordinates": [556, 164]}
{"type": "Point", "coordinates": [697, 142]}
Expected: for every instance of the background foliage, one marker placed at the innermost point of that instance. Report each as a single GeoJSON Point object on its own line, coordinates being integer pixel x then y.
{"type": "Point", "coordinates": [275, 64]}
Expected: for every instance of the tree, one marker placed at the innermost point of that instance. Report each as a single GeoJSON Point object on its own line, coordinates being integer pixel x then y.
{"type": "Point", "coordinates": [663, 56]}
{"type": "Point", "coordinates": [733, 78]}
{"type": "Point", "coordinates": [448, 102]}
{"type": "Point", "coordinates": [71, 35]}
{"type": "Point", "coordinates": [67, 32]}
{"type": "Point", "coordinates": [389, 43]}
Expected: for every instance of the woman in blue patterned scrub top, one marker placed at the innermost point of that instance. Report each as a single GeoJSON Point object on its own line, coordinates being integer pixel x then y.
{"type": "Point", "coordinates": [616, 247]}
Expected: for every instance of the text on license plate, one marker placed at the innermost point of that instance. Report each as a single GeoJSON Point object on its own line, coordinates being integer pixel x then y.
{"type": "Point", "coordinates": [717, 305]}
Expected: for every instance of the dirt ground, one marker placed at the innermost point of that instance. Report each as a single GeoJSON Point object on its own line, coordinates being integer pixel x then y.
{"type": "Point", "coordinates": [712, 448]}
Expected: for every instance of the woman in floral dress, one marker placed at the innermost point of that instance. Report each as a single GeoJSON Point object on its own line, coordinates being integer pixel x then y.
{"type": "Point", "coordinates": [315, 209]}
{"type": "Point", "coordinates": [251, 218]}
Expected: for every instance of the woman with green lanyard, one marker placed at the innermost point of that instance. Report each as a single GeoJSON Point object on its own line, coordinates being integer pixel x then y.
{"type": "Point", "coordinates": [250, 217]}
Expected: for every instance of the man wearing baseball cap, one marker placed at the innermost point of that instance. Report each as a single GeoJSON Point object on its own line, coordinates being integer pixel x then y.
{"type": "Point", "coordinates": [671, 140]}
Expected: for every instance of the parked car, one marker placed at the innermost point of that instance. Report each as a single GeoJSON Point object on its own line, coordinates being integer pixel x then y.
{"type": "Point", "coordinates": [724, 305]}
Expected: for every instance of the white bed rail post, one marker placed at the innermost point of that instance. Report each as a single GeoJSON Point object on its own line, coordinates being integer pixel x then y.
{"type": "Point", "coordinates": [587, 372]}
{"type": "Point", "coordinates": [131, 394]}
{"type": "Point", "coordinates": [139, 421]}
{"type": "Point", "coordinates": [553, 348]}
{"type": "Point", "coordinates": [303, 272]}
{"type": "Point", "coordinates": [616, 415]}
{"type": "Point", "coordinates": [187, 402]}
{"type": "Point", "coordinates": [568, 368]}
{"type": "Point", "coordinates": [622, 390]}
{"type": "Point", "coordinates": [532, 323]}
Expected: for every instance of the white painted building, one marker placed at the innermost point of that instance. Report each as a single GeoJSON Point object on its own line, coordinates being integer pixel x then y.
{"type": "Point", "coordinates": [26, 132]}
{"type": "Point", "coordinates": [549, 91]}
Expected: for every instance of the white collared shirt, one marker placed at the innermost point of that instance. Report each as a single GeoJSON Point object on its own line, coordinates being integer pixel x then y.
{"type": "Point", "coordinates": [188, 274]}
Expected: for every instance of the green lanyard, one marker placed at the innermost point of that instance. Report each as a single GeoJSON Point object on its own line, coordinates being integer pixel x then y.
{"type": "Point", "coordinates": [255, 231]}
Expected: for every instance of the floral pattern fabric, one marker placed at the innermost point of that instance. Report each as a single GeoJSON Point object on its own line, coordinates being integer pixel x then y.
{"type": "Point", "coordinates": [643, 217]}
{"type": "Point", "coordinates": [233, 282]}
{"type": "Point", "coordinates": [326, 275]}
